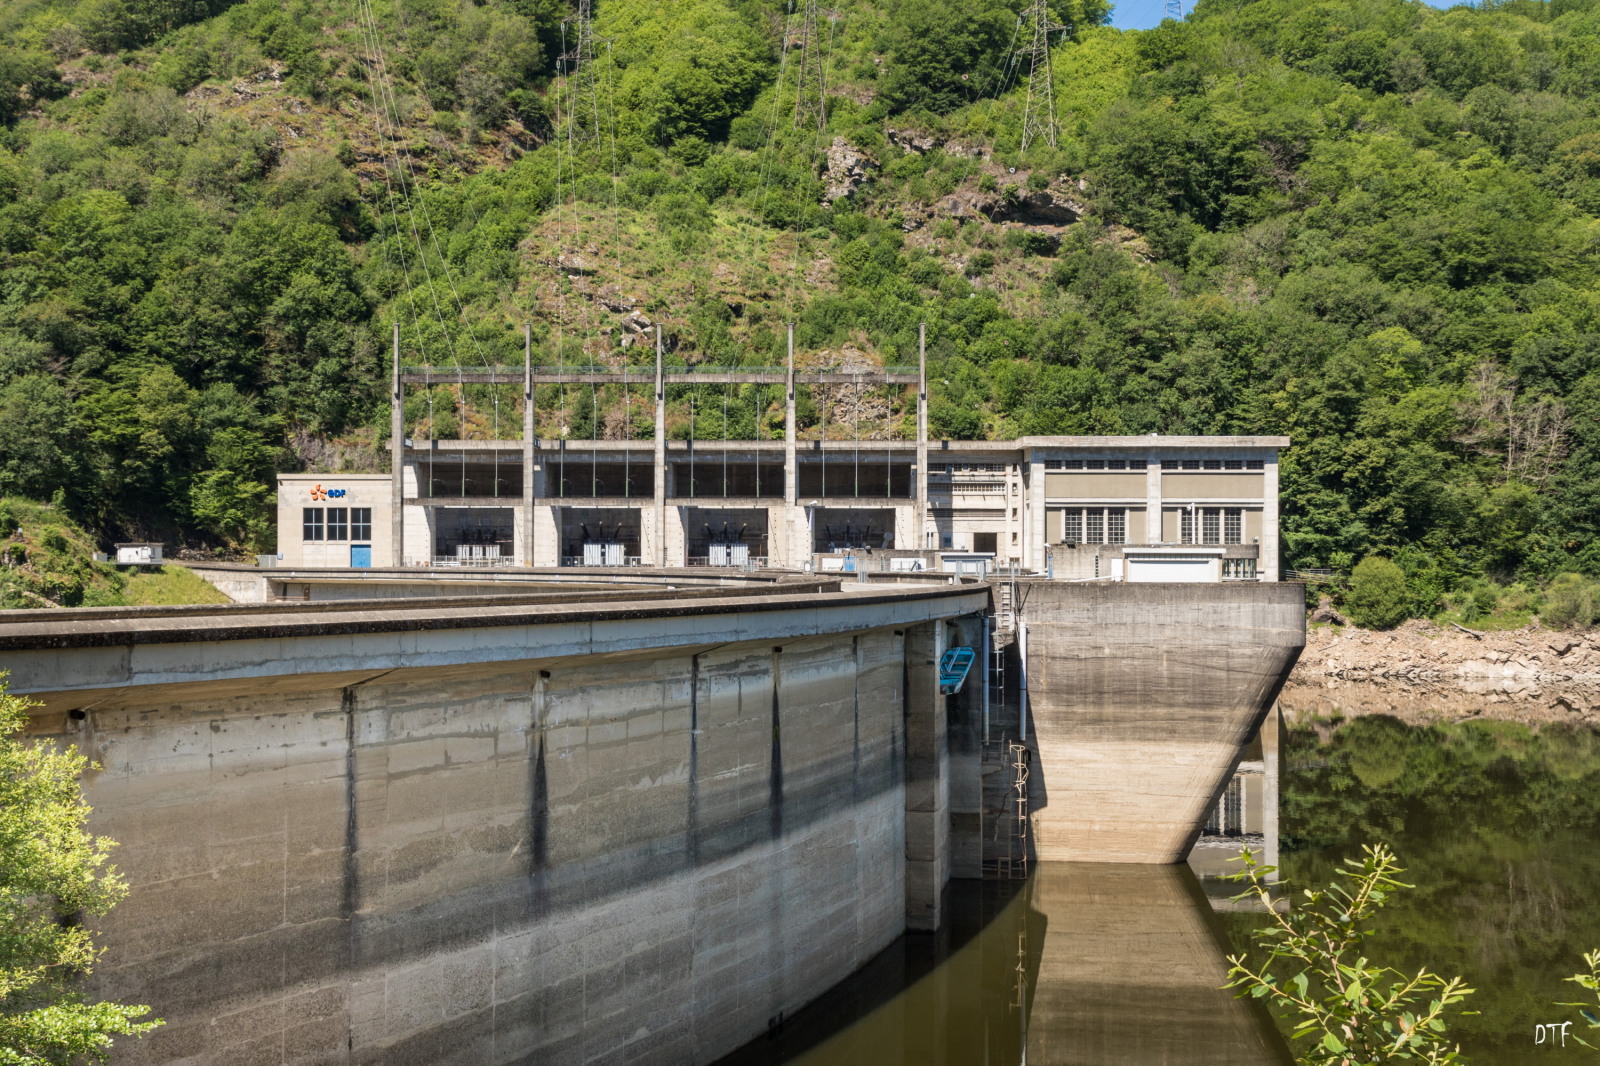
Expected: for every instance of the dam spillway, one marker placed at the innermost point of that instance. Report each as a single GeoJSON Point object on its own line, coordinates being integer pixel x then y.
{"type": "Point", "coordinates": [635, 826]}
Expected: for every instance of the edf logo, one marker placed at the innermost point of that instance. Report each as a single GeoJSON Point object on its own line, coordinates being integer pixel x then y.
{"type": "Point", "coordinates": [320, 493]}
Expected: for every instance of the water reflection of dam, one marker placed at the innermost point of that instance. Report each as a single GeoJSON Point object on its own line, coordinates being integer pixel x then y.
{"type": "Point", "coordinates": [1084, 964]}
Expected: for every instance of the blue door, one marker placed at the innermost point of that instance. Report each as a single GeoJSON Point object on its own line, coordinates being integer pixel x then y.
{"type": "Point", "coordinates": [361, 555]}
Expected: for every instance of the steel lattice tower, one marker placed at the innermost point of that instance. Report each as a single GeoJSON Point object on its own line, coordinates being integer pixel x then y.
{"type": "Point", "coordinates": [1039, 116]}
{"type": "Point", "coordinates": [582, 92]}
{"type": "Point", "coordinates": [810, 104]}
{"type": "Point", "coordinates": [1175, 9]}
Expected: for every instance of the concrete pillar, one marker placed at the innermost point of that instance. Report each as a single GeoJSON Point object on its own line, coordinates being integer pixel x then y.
{"type": "Point", "coordinates": [927, 778]}
{"type": "Point", "coordinates": [397, 460]}
{"type": "Point", "coordinates": [1152, 501]}
{"type": "Point", "coordinates": [1271, 762]}
{"type": "Point", "coordinates": [922, 438]}
{"type": "Point", "coordinates": [797, 553]}
{"type": "Point", "coordinates": [527, 445]}
{"type": "Point", "coordinates": [1267, 564]}
{"type": "Point", "coordinates": [660, 502]}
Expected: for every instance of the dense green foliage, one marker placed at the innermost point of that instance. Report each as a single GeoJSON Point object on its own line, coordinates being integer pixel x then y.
{"type": "Point", "coordinates": [1377, 598]}
{"type": "Point", "coordinates": [1368, 224]}
{"type": "Point", "coordinates": [52, 873]}
{"type": "Point", "coordinates": [47, 560]}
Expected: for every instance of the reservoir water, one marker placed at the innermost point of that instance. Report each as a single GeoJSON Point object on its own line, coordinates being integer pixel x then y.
{"type": "Point", "coordinates": [1492, 804]}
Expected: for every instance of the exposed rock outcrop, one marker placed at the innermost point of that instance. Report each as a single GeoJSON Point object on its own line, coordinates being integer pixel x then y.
{"type": "Point", "coordinates": [848, 168]}
{"type": "Point", "coordinates": [1424, 651]}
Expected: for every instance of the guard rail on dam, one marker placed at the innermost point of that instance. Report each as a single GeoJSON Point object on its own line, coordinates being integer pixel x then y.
{"type": "Point", "coordinates": [634, 826]}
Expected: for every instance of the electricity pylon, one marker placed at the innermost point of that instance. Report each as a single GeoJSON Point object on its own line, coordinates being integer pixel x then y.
{"type": "Point", "coordinates": [1175, 9]}
{"type": "Point", "coordinates": [810, 103]}
{"type": "Point", "coordinates": [582, 92]}
{"type": "Point", "coordinates": [1039, 116]}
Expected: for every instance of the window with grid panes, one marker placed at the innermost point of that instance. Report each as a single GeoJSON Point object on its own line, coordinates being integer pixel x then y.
{"type": "Point", "coordinates": [1211, 525]}
{"type": "Point", "coordinates": [338, 523]}
{"type": "Point", "coordinates": [1233, 526]}
{"type": "Point", "coordinates": [1186, 526]}
{"type": "Point", "coordinates": [1116, 526]}
{"type": "Point", "coordinates": [1094, 525]}
{"type": "Point", "coordinates": [360, 523]}
{"type": "Point", "coordinates": [311, 523]}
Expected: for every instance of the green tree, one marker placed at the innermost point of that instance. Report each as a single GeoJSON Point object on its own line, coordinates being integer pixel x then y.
{"type": "Point", "coordinates": [52, 873]}
{"type": "Point", "coordinates": [1344, 1009]}
{"type": "Point", "coordinates": [1378, 598]}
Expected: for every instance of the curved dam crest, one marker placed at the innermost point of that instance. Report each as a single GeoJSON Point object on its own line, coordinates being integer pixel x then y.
{"type": "Point", "coordinates": [537, 830]}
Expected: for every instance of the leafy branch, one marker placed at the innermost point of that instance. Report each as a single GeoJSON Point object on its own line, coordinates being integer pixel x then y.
{"type": "Point", "coordinates": [1346, 1010]}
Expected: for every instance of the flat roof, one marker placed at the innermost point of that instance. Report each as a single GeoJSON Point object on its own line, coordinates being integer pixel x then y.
{"type": "Point", "coordinates": [513, 448]}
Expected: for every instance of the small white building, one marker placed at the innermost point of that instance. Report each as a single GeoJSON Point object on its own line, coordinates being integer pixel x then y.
{"type": "Point", "coordinates": [138, 554]}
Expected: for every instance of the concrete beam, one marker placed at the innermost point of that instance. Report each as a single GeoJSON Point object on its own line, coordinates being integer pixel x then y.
{"type": "Point", "coordinates": [81, 657]}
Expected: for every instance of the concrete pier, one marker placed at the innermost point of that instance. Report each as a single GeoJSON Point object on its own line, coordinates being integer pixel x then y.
{"type": "Point", "coordinates": [1142, 697]}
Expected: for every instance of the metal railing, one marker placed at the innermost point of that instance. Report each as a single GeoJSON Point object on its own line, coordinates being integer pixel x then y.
{"type": "Point", "coordinates": [477, 562]}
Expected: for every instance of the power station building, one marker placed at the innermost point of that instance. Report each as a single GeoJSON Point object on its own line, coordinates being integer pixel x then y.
{"type": "Point", "coordinates": [1152, 508]}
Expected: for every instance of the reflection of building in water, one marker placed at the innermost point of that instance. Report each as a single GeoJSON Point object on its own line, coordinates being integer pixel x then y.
{"type": "Point", "coordinates": [1245, 815]}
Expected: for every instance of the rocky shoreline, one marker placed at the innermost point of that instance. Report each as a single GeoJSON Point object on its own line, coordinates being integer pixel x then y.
{"type": "Point", "coordinates": [1424, 651]}
{"type": "Point", "coordinates": [1425, 673]}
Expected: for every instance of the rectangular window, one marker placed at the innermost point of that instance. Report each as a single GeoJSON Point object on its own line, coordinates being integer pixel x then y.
{"type": "Point", "coordinates": [311, 524]}
{"type": "Point", "coordinates": [1169, 464]}
{"type": "Point", "coordinates": [1136, 464]}
{"type": "Point", "coordinates": [1213, 464]}
{"type": "Point", "coordinates": [338, 523]}
{"type": "Point", "coordinates": [1116, 526]}
{"type": "Point", "coordinates": [1191, 464]}
{"type": "Point", "coordinates": [1055, 464]}
{"type": "Point", "coordinates": [939, 468]}
{"type": "Point", "coordinates": [1116, 464]}
{"type": "Point", "coordinates": [1094, 525]}
{"type": "Point", "coordinates": [360, 523]}
{"type": "Point", "coordinates": [1074, 464]}
{"type": "Point", "coordinates": [1186, 526]}
{"type": "Point", "coordinates": [1233, 464]}
{"type": "Point", "coordinates": [1255, 464]}
{"type": "Point", "coordinates": [1211, 525]}
{"type": "Point", "coordinates": [1233, 526]}
{"type": "Point", "coordinates": [1239, 569]}
{"type": "Point", "coordinates": [1095, 464]}
{"type": "Point", "coordinates": [1072, 525]}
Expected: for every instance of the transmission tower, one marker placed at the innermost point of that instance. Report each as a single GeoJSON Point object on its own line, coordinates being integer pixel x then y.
{"type": "Point", "coordinates": [582, 93]}
{"type": "Point", "coordinates": [810, 104]}
{"type": "Point", "coordinates": [1039, 116]}
{"type": "Point", "coordinates": [1175, 9]}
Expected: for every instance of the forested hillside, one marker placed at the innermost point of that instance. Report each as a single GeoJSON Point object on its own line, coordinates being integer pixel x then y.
{"type": "Point", "coordinates": [1368, 224]}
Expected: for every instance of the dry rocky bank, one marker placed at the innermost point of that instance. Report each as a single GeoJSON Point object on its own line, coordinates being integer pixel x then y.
{"type": "Point", "coordinates": [1425, 672]}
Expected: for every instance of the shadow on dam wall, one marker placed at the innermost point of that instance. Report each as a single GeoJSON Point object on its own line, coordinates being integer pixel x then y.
{"type": "Point", "coordinates": [1142, 698]}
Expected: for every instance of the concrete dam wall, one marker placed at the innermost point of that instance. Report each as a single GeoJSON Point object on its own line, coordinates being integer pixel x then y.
{"type": "Point", "coordinates": [1142, 699]}
{"type": "Point", "coordinates": [513, 833]}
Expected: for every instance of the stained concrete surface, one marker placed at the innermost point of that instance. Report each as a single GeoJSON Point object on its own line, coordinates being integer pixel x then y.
{"type": "Point", "coordinates": [1142, 698]}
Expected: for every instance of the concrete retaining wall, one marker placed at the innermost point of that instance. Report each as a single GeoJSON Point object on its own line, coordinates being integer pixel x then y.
{"type": "Point", "coordinates": [640, 855]}
{"type": "Point", "coordinates": [1142, 698]}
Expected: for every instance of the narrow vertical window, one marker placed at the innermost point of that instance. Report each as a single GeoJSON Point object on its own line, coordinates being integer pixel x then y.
{"type": "Point", "coordinates": [1211, 525]}
{"type": "Point", "coordinates": [1094, 522]}
{"type": "Point", "coordinates": [1116, 525]}
{"type": "Point", "coordinates": [311, 527]}
{"type": "Point", "coordinates": [1233, 526]}
{"type": "Point", "coordinates": [1186, 526]}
